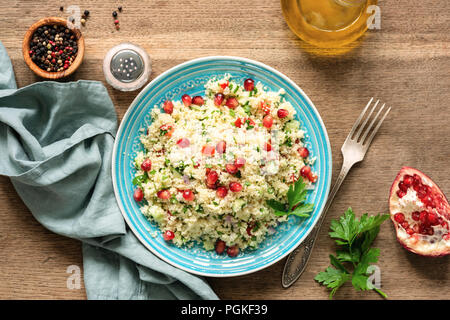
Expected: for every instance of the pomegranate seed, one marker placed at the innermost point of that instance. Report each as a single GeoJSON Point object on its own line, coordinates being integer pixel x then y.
{"type": "Point", "coordinates": [168, 235]}
{"type": "Point", "coordinates": [410, 231]}
{"type": "Point", "coordinates": [187, 100]}
{"type": "Point", "coordinates": [416, 228]}
{"type": "Point", "coordinates": [305, 171]}
{"type": "Point", "coordinates": [249, 84]}
{"type": "Point", "coordinates": [197, 100]}
{"type": "Point", "coordinates": [212, 177]}
{"type": "Point", "coordinates": [405, 225]}
{"type": "Point", "coordinates": [312, 178]}
{"type": "Point", "coordinates": [399, 217]}
{"type": "Point", "coordinates": [238, 122]}
{"type": "Point", "coordinates": [224, 85]}
{"type": "Point", "coordinates": [231, 168]}
{"type": "Point", "coordinates": [211, 186]}
{"type": "Point", "coordinates": [232, 103]}
{"type": "Point", "coordinates": [265, 106]}
{"type": "Point", "coordinates": [282, 113]}
{"type": "Point", "coordinates": [402, 186]}
{"type": "Point", "coordinates": [239, 162]}
{"type": "Point", "coordinates": [303, 152]}
{"type": "Point", "coordinates": [446, 237]}
{"type": "Point", "coordinates": [415, 215]}
{"type": "Point", "coordinates": [146, 165]}
{"type": "Point", "coordinates": [208, 150]}
{"type": "Point", "coordinates": [268, 121]}
{"type": "Point", "coordinates": [233, 251]}
{"type": "Point", "coordinates": [408, 180]}
{"type": "Point", "coordinates": [428, 201]}
{"type": "Point", "coordinates": [220, 246]}
{"type": "Point", "coordinates": [183, 143]}
{"type": "Point", "coordinates": [423, 217]}
{"type": "Point", "coordinates": [422, 193]}
{"type": "Point", "coordinates": [168, 107]}
{"type": "Point", "coordinates": [235, 186]}
{"type": "Point", "coordinates": [430, 231]}
{"type": "Point", "coordinates": [400, 193]}
{"type": "Point", "coordinates": [249, 230]}
{"type": "Point", "coordinates": [218, 99]}
{"type": "Point", "coordinates": [168, 128]}
{"type": "Point", "coordinates": [433, 219]}
{"type": "Point", "coordinates": [417, 179]}
{"type": "Point", "coordinates": [163, 194]}
{"type": "Point", "coordinates": [138, 195]}
{"type": "Point", "coordinates": [221, 147]}
{"type": "Point", "coordinates": [444, 224]}
{"type": "Point", "coordinates": [188, 195]}
{"type": "Point", "coordinates": [221, 192]}
{"type": "Point", "coordinates": [267, 147]}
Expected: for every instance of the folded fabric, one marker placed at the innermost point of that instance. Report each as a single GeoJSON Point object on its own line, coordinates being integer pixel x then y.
{"type": "Point", "coordinates": [56, 141]}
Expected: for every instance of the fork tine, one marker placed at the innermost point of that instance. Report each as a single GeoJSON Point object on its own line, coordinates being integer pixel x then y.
{"type": "Point", "coordinates": [371, 124]}
{"type": "Point", "coordinates": [369, 139]}
{"type": "Point", "coordinates": [357, 122]}
{"type": "Point", "coordinates": [361, 127]}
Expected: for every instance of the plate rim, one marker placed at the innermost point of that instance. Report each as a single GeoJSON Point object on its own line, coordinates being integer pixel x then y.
{"type": "Point", "coordinates": [133, 105]}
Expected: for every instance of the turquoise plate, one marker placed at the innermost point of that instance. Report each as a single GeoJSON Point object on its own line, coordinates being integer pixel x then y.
{"type": "Point", "coordinates": [190, 77]}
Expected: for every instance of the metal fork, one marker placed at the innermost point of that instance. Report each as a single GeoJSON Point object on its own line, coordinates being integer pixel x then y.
{"type": "Point", "coordinates": [353, 151]}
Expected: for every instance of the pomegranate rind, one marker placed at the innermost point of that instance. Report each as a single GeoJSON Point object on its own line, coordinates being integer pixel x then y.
{"type": "Point", "coordinates": [418, 243]}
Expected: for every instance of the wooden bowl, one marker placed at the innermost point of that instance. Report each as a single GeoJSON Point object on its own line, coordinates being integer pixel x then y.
{"type": "Point", "coordinates": [34, 67]}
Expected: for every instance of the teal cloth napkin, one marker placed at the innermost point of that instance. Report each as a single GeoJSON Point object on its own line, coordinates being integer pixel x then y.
{"type": "Point", "coordinates": [56, 141]}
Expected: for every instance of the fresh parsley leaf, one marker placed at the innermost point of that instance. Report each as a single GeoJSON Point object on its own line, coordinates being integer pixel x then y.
{"type": "Point", "coordinates": [303, 211]}
{"type": "Point", "coordinates": [296, 193]}
{"type": "Point", "coordinates": [296, 197]}
{"type": "Point", "coordinates": [337, 264]}
{"type": "Point", "coordinates": [354, 238]}
{"type": "Point", "coordinates": [333, 279]}
{"type": "Point", "coordinates": [276, 205]}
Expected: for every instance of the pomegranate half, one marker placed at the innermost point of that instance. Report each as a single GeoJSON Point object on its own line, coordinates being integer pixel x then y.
{"type": "Point", "coordinates": [420, 213]}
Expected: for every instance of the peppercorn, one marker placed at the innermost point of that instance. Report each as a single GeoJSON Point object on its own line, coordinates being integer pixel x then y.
{"type": "Point", "coordinates": [86, 13]}
{"type": "Point", "coordinates": [120, 9]}
{"type": "Point", "coordinates": [51, 45]}
{"type": "Point", "coordinates": [114, 14]}
{"type": "Point", "coordinates": [61, 8]}
{"type": "Point", "coordinates": [83, 21]}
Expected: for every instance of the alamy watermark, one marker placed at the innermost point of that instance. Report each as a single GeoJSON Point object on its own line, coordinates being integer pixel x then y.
{"type": "Point", "coordinates": [74, 280]}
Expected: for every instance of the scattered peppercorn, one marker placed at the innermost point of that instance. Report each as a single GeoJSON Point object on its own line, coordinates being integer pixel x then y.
{"type": "Point", "coordinates": [120, 9]}
{"type": "Point", "coordinates": [53, 48]}
{"type": "Point", "coordinates": [61, 8]}
{"type": "Point", "coordinates": [114, 14]}
{"type": "Point", "coordinates": [83, 21]}
{"type": "Point", "coordinates": [86, 13]}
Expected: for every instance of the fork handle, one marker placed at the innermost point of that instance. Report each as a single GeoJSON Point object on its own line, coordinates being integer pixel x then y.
{"type": "Point", "coordinates": [298, 259]}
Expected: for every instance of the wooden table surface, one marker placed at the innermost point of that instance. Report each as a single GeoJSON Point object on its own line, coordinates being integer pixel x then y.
{"type": "Point", "coordinates": [406, 64]}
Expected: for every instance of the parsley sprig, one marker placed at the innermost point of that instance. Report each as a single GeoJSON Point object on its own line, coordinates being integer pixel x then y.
{"type": "Point", "coordinates": [296, 196]}
{"type": "Point", "coordinates": [354, 238]}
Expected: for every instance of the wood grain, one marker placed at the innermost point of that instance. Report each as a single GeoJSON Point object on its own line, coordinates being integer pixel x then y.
{"type": "Point", "coordinates": [406, 64]}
